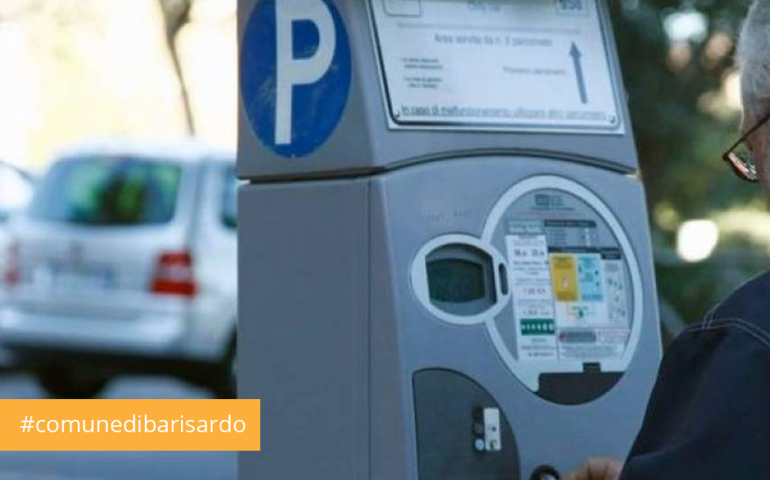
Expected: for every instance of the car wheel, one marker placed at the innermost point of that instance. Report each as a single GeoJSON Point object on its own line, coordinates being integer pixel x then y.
{"type": "Point", "coordinates": [226, 380]}
{"type": "Point", "coordinates": [60, 383]}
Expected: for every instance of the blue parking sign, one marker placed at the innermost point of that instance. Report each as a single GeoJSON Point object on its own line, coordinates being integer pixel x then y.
{"type": "Point", "coordinates": [295, 73]}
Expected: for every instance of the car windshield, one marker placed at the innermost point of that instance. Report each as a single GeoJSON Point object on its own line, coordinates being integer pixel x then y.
{"type": "Point", "coordinates": [108, 191]}
{"type": "Point", "coordinates": [230, 201]}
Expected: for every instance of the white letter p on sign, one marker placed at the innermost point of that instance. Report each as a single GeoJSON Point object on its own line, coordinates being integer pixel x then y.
{"type": "Point", "coordinates": [292, 71]}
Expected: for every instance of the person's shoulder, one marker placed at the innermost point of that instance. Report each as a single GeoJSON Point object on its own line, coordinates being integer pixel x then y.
{"type": "Point", "coordinates": [737, 325]}
{"type": "Point", "coordinates": [748, 305]}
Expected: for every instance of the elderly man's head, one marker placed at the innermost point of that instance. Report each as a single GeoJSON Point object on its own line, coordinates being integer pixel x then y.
{"type": "Point", "coordinates": [755, 70]}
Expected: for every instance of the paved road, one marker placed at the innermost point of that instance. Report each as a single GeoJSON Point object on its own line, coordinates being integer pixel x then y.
{"type": "Point", "coordinates": [114, 466]}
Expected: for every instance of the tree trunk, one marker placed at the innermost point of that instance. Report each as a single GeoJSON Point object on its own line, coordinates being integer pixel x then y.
{"type": "Point", "coordinates": [176, 14]}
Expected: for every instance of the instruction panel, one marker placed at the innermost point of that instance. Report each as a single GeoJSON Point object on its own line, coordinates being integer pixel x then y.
{"type": "Point", "coordinates": [569, 290]}
{"type": "Point", "coordinates": [528, 65]}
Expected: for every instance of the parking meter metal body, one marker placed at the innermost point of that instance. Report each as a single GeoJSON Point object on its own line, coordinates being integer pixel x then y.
{"type": "Point", "coordinates": [445, 262]}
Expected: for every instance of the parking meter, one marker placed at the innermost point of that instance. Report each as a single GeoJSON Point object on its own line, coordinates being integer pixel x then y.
{"type": "Point", "coordinates": [445, 262]}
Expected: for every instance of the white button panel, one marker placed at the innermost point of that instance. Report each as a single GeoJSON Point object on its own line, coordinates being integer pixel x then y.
{"type": "Point", "coordinates": [492, 437]}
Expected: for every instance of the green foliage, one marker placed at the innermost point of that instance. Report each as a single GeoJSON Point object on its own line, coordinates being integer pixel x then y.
{"type": "Point", "coordinates": [692, 289]}
{"type": "Point", "coordinates": [681, 133]}
{"type": "Point", "coordinates": [680, 141]}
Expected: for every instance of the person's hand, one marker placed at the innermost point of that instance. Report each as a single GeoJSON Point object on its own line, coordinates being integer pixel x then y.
{"type": "Point", "coordinates": [597, 469]}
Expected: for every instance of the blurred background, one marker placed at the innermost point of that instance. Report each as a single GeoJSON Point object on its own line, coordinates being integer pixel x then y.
{"type": "Point", "coordinates": [157, 72]}
{"type": "Point", "coordinates": [145, 75]}
{"type": "Point", "coordinates": [710, 229]}
{"type": "Point", "coordinates": [166, 70]}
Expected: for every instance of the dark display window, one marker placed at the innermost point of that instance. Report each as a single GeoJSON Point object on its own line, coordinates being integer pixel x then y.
{"type": "Point", "coordinates": [460, 279]}
{"type": "Point", "coordinates": [456, 281]}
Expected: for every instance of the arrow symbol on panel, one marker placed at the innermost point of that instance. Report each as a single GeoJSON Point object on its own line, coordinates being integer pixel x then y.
{"type": "Point", "coordinates": [577, 59]}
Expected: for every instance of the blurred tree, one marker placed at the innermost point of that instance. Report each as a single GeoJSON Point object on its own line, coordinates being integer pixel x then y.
{"type": "Point", "coordinates": [679, 67]}
{"type": "Point", "coordinates": [177, 14]}
{"type": "Point", "coordinates": [677, 57]}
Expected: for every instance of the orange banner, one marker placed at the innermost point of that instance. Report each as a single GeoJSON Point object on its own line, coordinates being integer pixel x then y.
{"type": "Point", "coordinates": [130, 425]}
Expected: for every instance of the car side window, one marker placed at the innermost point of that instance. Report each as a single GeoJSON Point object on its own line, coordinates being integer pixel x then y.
{"type": "Point", "coordinates": [109, 191]}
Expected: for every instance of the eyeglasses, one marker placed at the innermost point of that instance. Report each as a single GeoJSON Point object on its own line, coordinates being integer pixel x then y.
{"type": "Point", "coordinates": [740, 158]}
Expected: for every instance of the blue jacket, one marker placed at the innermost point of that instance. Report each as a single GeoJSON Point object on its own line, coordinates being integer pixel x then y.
{"type": "Point", "coordinates": [709, 414]}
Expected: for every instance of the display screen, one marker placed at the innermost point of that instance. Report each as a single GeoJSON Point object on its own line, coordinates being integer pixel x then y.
{"type": "Point", "coordinates": [456, 281]}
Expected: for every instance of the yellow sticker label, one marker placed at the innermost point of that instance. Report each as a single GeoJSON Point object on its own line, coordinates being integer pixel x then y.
{"type": "Point", "coordinates": [564, 278]}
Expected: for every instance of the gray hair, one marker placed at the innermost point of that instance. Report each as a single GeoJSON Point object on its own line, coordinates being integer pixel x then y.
{"type": "Point", "coordinates": [754, 53]}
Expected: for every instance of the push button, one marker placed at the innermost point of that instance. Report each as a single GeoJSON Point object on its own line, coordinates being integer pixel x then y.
{"type": "Point", "coordinates": [479, 445]}
{"type": "Point", "coordinates": [486, 430]}
{"type": "Point", "coordinates": [545, 473]}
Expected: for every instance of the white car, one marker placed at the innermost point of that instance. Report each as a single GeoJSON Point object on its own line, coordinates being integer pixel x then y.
{"type": "Point", "coordinates": [125, 262]}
